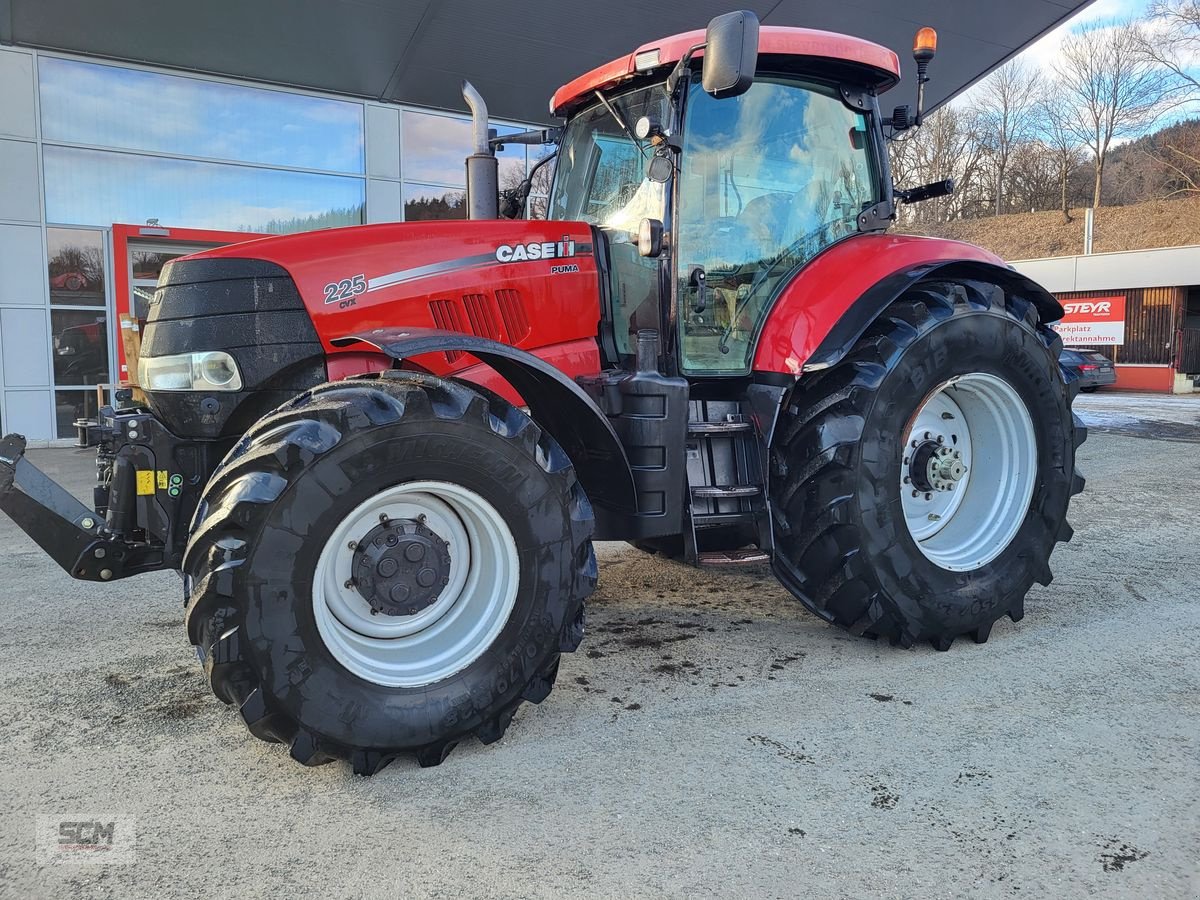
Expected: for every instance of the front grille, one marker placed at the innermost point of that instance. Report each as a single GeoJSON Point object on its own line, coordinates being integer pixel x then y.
{"type": "Point", "coordinates": [501, 317]}
{"type": "Point", "coordinates": [512, 311]}
{"type": "Point", "coordinates": [482, 314]}
{"type": "Point", "coordinates": [448, 317]}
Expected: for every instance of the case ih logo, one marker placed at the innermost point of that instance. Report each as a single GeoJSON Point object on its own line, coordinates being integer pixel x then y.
{"type": "Point", "coordinates": [536, 250]}
{"type": "Point", "coordinates": [1092, 320]}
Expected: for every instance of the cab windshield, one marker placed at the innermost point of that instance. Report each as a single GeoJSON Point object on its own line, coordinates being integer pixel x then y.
{"type": "Point", "coordinates": [600, 179]}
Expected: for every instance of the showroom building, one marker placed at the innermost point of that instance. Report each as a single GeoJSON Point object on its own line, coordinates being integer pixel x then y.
{"type": "Point", "coordinates": [132, 133]}
{"type": "Point", "coordinates": [109, 170]}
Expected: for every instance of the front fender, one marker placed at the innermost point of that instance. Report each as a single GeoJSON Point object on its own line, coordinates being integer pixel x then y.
{"type": "Point", "coordinates": [830, 303]}
{"type": "Point", "coordinates": [555, 402]}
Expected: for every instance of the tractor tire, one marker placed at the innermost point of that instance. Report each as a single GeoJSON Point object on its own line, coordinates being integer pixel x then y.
{"type": "Point", "coordinates": [385, 566]}
{"type": "Point", "coordinates": [870, 533]}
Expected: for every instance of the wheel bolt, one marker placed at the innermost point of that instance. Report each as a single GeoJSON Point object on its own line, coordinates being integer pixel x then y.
{"type": "Point", "coordinates": [941, 439]}
{"type": "Point", "coordinates": [349, 585]}
{"type": "Point", "coordinates": [916, 493]}
{"type": "Point", "coordinates": [928, 436]}
{"type": "Point", "coordinates": [383, 519]}
{"type": "Point", "coordinates": [353, 545]}
{"type": "Point", "coordinates": [929, 496]}
{"type": "Point", "coordinates": [421, 518]}
{"type": "Point", "coordinates": [907, 480]}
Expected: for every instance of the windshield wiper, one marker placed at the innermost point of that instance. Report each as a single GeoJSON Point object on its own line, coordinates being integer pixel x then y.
{"type": "Point", "coordinates": [625, 128]}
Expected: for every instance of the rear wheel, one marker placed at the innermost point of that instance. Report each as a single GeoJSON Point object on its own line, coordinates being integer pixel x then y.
{"type": "Point", "coordinates": [919, 486]}
{"type": "Point", "coordinates": [387, 566]}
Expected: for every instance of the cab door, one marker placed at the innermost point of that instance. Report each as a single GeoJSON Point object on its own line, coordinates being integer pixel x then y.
{"type": "Point", "coordinates": [767, 180]}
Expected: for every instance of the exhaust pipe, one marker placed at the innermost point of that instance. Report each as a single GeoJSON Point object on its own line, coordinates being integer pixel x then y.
{"type": "Point", "coordinates": [483, 169]}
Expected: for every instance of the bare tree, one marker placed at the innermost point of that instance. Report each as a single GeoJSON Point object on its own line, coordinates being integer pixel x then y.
{"type": "Point", "coordinates": [1171, 41]}
{"type": "Point", "coordinates": [1109, 87]}
{"type": "Point", "coordinates": [1058, 134]}
{"type": "Point", "coordinates": [1032, 182]}
{"type": "Point", "coordinates": [947, 145]}
{"type": "Point", "coordinates": [1006, 103]}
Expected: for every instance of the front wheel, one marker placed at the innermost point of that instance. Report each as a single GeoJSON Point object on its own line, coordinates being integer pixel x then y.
{"type": "Point", "coordinates": [919, 486]}
{"type": "Point", "coordinates": [387, 566]}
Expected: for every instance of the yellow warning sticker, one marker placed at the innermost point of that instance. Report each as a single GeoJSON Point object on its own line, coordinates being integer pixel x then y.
{"type": "Point", "coordinates": [145, 482]}
{"type": "Point", "coordinates": [162, 479]}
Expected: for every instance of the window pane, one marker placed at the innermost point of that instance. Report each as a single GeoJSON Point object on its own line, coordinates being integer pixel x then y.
{"type": "Point", "coordinates": [80, 346]}
{"type": "Point", "coordinates": [92, 187]}
{"type": "Point", "coordinates": [435, 148]}
{"type": "Point", "coordinates": [110, 106]}
{"type": "Point", "coordinates": [76, 267]}
{"type": "Point", "coordinates": [148, 264]}
{"type": "Point", "coordinates": [422, 203]}
{"type": "Point", "coordinates": [72, 405]}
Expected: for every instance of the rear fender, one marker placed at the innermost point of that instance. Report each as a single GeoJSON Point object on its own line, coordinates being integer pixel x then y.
{"type": "Point", "coordinates": [555, 402]}
{"type": "Point", "coordinates": [830, 303]}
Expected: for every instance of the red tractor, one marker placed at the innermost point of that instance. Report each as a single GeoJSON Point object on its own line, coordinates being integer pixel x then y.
{"type": "Point", "coordinates": [379, 455]}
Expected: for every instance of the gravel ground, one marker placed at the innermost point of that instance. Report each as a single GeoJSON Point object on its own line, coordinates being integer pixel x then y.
{"type": "Point", "coordinates": [709, 739]}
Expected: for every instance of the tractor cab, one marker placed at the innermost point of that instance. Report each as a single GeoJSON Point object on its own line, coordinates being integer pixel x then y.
{"type": "Point", "coordinates": [709, 199]}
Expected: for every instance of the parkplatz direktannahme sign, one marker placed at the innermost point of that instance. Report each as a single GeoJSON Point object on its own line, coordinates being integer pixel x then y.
{"type": "Point", "coordinates": [1093, 320]}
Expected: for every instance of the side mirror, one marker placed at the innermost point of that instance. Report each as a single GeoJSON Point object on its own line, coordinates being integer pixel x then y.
{"type": "Point", "coordinates": [730, 54]}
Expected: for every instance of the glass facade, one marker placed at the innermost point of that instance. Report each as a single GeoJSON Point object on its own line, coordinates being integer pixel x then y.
{"type": "Point", "coordinates": [177, 115]}
{"type": "Point", "coordinates": [124, 144]}
{"type": "Point", "coordinates": [433, 156]}
{"type": "Point", "coordinates": [99, 187]}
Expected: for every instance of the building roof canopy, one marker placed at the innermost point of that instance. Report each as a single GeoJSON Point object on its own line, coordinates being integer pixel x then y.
{"type": "Point", "coordinates": [516, 53]}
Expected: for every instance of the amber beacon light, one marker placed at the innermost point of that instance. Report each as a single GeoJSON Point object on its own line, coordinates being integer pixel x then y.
{"type": "Point", "coordinates": [925, 44]}
{"type": "Point", "coordinates": [924, 47]}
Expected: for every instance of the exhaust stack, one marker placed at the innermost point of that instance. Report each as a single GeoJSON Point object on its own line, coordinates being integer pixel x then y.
{"type": "Point", "coordinates": [483, 177]}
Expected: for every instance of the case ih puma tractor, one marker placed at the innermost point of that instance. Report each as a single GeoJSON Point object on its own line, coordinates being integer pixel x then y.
{"type": "Point", "coordinates": [379, 455]}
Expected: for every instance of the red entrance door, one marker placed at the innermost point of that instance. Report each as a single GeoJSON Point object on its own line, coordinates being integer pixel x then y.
{"type": "Point", "coordinates": [139, 254]}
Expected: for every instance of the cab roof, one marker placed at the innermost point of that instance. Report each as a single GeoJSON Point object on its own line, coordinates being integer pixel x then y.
{"type": "Point", "coordinates": [880, 65]}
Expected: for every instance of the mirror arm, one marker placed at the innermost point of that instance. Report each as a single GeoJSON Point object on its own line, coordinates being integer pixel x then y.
{"type": "Point", "coordinates": [681, 66]}
{"type": "Point", "coordinates": [551, 135]}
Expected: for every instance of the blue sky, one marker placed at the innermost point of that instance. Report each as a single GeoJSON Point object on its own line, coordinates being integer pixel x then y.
{"type": "Point", "coordinates": [1043, 52]}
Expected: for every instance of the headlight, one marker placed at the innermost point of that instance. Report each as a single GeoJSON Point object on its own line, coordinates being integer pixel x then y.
{"type": "Point", "coordinates": [209, 371]}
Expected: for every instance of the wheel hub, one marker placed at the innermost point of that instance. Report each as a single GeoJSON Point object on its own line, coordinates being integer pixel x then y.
{"type": "Point", "coordinates": [400, 566]}
{"type": "Point", "coordinates": [933, 466]}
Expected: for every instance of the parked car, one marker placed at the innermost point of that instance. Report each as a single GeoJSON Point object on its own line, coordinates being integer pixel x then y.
{"type": "Point", "coordinates": [1093, 368]}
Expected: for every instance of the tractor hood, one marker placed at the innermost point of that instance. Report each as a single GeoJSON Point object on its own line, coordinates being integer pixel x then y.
{"type": "Point", "coordinates": [278, 305]}
{"type": "Point", "coordinates": [525, 283]}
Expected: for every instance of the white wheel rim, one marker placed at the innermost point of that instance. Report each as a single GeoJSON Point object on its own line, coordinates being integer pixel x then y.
{"type": "Point", "coordinates": [467, 615]}
{"type": "Point", "coordinates": [987, 427]}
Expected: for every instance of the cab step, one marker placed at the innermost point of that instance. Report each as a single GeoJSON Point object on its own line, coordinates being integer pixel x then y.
{"type": "Point", "coordinates": [726, 491]}
{"type": "Point", "coordinates": [719, 429]}
{"type": "Point", "coordinates": [732, 557]}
